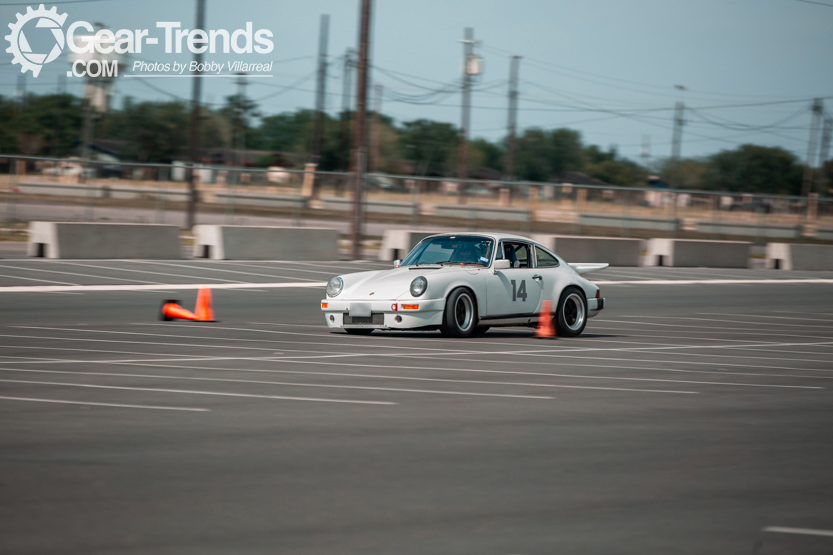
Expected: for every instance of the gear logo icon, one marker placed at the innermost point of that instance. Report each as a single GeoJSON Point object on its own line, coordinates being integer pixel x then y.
{"type": "Point", "coordinates": [19, 46]}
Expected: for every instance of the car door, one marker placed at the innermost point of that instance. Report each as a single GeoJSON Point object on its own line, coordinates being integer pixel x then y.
{"type": "Point", "coordinates": [546, 266]}
{"type": "Point", "coordinates": [514, 291]}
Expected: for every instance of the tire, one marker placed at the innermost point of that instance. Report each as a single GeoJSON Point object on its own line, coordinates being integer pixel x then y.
{"type": "Point", "coordinates": [460, 316]}
{"type": "Point", "coordinates": [359, 331]}
{"type": "Point", "coordinates": [480, 330]}
{"type": "Point", "coordinates": [571, 312]}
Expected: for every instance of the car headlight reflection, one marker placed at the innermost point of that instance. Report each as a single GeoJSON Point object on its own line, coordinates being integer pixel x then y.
{"type": "Point", "coordinates": [418, 286]}
{"type": "Point", "coordinates": [334, 286]}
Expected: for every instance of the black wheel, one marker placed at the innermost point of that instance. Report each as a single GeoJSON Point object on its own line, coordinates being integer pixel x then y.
{"type": "Point", "coordinates": [571, 312]}
{"type": "Point", "coordinates": [359, 331]}
{"type": "Point", "coordinates": [480, 330]}
{"type": "Point", "coordinates": [460, 314]}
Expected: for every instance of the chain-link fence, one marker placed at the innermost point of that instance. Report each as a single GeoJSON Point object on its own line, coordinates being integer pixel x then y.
{"type": "Point", "coordinates": [161, 190]}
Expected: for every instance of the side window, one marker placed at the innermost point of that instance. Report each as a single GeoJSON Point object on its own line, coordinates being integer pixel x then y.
{"type": "Point", "coordinates": [524, 257]}
{"type": "Point", "coordinates": [545, 259]}
{"type": "Point", "coordinates": [519, 254]}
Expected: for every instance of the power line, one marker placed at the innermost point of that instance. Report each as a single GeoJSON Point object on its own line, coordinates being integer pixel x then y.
{"type": "Point", "coordinates": [55, 2]}
{"type": "Point", "coordinates": [816, 3]}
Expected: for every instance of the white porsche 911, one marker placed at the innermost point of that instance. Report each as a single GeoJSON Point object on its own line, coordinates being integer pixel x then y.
{"type": "Point", "coordinates": [463, 284]}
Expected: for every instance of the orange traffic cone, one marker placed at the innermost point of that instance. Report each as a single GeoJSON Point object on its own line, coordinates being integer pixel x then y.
{"type": "Point", "coordinates": [204, 311]}
{"type": "Point", "coordinates": [172, 311]}
{"type": "Point", "coordinates": [545, 325]}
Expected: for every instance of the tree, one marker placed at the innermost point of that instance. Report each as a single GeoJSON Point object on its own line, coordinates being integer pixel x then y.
{"type": "Point", "coordinates": [154, 131]}
{"type": "Point", "coordinates": [543, 155]}
{"type": "Point", "coordinates": [485, 154]}
{"type": "Point", "coordinates": [431, 145]}
{"type": "Point", "coordinates": [754, 169]}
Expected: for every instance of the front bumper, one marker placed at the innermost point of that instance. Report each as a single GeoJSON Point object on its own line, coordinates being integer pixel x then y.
{"type": "Point", "coordinates": [382, 314]}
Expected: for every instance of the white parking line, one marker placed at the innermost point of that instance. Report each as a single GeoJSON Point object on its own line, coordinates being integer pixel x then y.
{"type": "Point", "coordinates": [721, 372]}
{"type": "Point", "coordinates": [340, 374]}
{"type": "Point", "coordinates": [449, 352]}
{"type": "Point", "coordinates": [101, 404]}
{"type": "Point", "coordinates": [755, 323]}
{"type": "Point", "coordinates": [68, 287]}
{"type": "Point", "coordinates": [225, 328]}
{"type": "Point", "coordinates": [291, 384]}
{"type": "Point", "coordinates": [768, 315]}
{"type": "Point", "coordinates": [328, 272]}
{"type": "Point", "coordinates": [156, 407]}
{"type": "Point", "coordinates": [696, 330]}
{"type": "Point", "coordinates": [801, 531]}
{"type": "Point", "coordinates": [117, 269]}
{"type": "Point", "coordinates": [715, 281]}
{"type": "Point", "coordinates": [218, 270]}
{"type": "Point", "coordinates": [154, 287]}
{"type": "Point", "coordinates": [36, 279]}
{"type": "Point", "coordinates": [188, 392]}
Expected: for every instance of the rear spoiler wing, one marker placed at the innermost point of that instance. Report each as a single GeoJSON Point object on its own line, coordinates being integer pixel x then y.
{"type": "Point", "coordinates": [584, 268]}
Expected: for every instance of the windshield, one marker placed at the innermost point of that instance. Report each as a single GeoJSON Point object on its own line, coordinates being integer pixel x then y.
{"type": "Point", "coordinates": [459, 249]}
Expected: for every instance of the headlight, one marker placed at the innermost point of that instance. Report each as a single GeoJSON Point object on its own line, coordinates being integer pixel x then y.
{"type": "Point", "coordinates": [334, 286]}
{"type": "Point", "coordinates": [418, 286]}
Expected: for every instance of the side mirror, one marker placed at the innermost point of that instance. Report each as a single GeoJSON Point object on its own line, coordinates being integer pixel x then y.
{"type": "Point", "coordinates": [502, 264]}
{"type": "Point", "coordinates": [396, 263]}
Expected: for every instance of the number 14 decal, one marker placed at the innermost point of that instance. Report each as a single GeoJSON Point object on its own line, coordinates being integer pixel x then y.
{"type": "Point", "coordinates": [519, 292]}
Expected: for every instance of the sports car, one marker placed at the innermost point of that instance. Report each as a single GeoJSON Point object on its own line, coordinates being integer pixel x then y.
{"type": "Point", "coordinates": [463, 284]}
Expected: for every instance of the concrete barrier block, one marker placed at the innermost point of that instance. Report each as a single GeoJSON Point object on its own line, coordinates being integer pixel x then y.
{"type": "Point", "coordinates": [786, 256]}
{"type": "Point", "coordinates": [397, 243]}
{"type": "Point", "coordinates": [615, 251]}
{"type": "Point", "coordinates": [261, 199]}
{"type": "Point", "coordinates": [471, 212]}
{"type": "Point", "coordinates": [104, 240]}
{"type": "Point", "coordinates": [57, 189]}
{"type": "Point", "coordinates": [629, 222]}
{"type": "Point", "coordinates": [694, 253]}
{"type": "Point", "coordinates": [241, 242]}
{"type": "Point", "coordinates": [375, 206]}
{"type": "Point", "coordinates": [824, 233]}
{"type": "Point", "coordinates": [741, 229]}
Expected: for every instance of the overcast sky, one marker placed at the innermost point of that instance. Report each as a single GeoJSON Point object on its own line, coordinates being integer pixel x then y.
{"type": "Point", "coordinates": [607, 68]}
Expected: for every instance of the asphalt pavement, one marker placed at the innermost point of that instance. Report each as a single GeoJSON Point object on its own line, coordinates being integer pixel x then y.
{"type": "Point", "coordinates": [693, 416]}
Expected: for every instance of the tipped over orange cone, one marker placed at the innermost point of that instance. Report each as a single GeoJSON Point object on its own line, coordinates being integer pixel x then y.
{"type": "Point", "coordinates": [172, 311]}
{"type": "Point", "coordinates": [545, 324]}
{"type": "Point", "coordinates": [204, 311]}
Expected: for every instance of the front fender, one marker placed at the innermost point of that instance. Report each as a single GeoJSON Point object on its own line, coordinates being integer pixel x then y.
{"type": "Point", "coordinates": [441, 285]}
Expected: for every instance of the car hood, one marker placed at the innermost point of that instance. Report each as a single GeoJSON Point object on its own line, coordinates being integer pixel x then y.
{"type": "Point", "coordinates": [392, 284]}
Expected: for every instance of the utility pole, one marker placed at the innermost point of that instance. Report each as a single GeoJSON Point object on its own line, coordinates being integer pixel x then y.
{"type": "Point", "coordinates": [509, 169]}
{"type": "Point", "coordinates": [376, 132]}
{"type": "Point", "coordinates": [320, 88]}
{"type": "Point", "coordinates": [807, 183]}
{"type": "Point", "coordinates": [677, 139]}
{"type": "Point", "coordinates": [645, 150]}
{"type": "Point", "coordinates": [20, 91]}
{"type": "Point", "coordinates": [359, 159]}
{"type": "Point", "coordinates": [194, 134]}
{"type": "Point", "coordinates": [56, 143]}
{"type": "Point", "coordinates": [240, 157]}
{"type": "Point", "coordinates": [824, 153]}
{"type": "Point", "coordinates": [346, 100]}
{"type": "Point", "coordinates": [463, 150]}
